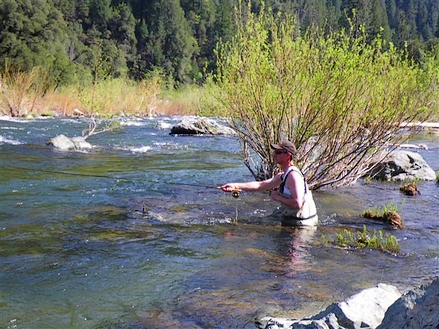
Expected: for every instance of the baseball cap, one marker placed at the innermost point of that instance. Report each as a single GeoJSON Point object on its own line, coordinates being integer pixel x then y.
{"type": "Point", "coordinates": [286, 146]}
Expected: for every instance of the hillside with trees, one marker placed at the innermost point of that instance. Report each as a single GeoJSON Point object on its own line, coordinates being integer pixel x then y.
{"type": "Point", "coordinates": [89, 41]}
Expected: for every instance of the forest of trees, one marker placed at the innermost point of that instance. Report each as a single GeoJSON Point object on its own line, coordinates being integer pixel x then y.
{"type": "Point", "coordinates": [91, 40]}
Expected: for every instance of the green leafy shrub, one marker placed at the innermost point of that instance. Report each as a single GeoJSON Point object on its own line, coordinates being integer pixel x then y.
{"type": "Point", "coordinates": [340, 99]}
{"type": "Point", "coordinates": [367, 239]}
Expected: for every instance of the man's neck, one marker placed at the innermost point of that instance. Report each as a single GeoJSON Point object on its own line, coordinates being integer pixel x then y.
{"type": "Point", "coordinates": [285, 166]}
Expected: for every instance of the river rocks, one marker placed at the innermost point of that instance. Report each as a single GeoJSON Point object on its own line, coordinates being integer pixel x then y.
{"type": "Point", "coordinates": [200, 126]}
{"type": "Point", "coordinates": [381, 307]}
{"type": "Point", "coordinates": [363, 310]}
{"type": "Point", "coordinates": [403, 165]}
{"type": "Point", "coordinates": [63, 142]}
{"type": "Point", "coordinates": [419, 308]}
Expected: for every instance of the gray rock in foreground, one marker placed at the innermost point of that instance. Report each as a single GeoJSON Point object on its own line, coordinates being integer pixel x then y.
{"type": "Point", "coordinates": [381, 307]}
{"type": "Point", "coordinates": [363, 310]}
{"type": "Point", "coordinates": [419, 308]}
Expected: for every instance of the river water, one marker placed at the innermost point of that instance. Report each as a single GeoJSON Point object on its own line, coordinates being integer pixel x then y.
{"type": "Point", "coordinates": [134, 233]}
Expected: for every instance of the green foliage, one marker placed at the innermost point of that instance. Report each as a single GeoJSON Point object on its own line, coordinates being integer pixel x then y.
{"type": "Point", "coordinates": [64, 36]}
{"type": "Point", "coordinates": [33, 33]}
{"type": "Point", "coordinates": [367, 239]}
{"type": "Point", "coordinates": [339, 98]}
{"type": "Point", "coordinates": [119, 96]}
{"type": "Point", "coordinates": [380, 211]}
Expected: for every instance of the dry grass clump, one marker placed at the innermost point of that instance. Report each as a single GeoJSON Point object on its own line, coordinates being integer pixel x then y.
{"type": "Point", "coordinates": [387, 214]}
{"type": "Point", "coordinates": [28, 93]}
{"type": "Point", "coordinates": [410, 188]}
{"type": "Point", "coordinates": [21, 92]}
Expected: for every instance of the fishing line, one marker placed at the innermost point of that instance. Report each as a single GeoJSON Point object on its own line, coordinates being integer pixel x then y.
{"type": "Point", "coordinates": [64, 173]}
{"type": "Point", "coordinates": [235, 193]}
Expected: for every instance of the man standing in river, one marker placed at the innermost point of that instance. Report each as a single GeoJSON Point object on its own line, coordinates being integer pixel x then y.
{"type": "Point", "coordinates": [292, 192]}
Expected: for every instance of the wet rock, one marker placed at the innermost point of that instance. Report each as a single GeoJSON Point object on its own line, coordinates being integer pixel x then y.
{"type": "Point", "coordinates": [381, 307]}
{"type": "Point", "coordinates": [200, 126]}
{"type": "Point", "coordinates": [63, 142]}
{"type": "Point", "coordinates": [416, 309]}
{"type": "Point", "coordinates": [78, 113]}
{"type": "Point", "coordinates": [403, 165]}
{"type": "Point", "coordinates": [363, 310]}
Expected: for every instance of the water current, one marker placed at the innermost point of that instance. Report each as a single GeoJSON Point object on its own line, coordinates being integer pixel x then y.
{"type": "Point", "coordinates": [134, 233]}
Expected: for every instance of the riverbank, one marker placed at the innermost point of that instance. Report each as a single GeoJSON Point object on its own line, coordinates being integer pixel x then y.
{"type": "Point", "coordinates": [424, 125]}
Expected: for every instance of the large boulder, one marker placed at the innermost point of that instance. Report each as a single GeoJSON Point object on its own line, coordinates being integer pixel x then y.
{"type": "Point", "coordinates": [63, 142]}
{"type": "Point", "coordinates": [403, 165]}
{"type": "Point", "coordinates": [419, 308]}
{"type": "Point", "coordinates": [363, 310]}
{"type": "Point", "coordinates": [200, 126]}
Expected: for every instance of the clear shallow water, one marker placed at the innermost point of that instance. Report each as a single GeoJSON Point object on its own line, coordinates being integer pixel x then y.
{"type": "Point", "coordinates": [110, 238]}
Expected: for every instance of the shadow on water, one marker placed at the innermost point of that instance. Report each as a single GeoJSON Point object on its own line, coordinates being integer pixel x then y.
{"type": "Point", "coordinates": [140, 237]}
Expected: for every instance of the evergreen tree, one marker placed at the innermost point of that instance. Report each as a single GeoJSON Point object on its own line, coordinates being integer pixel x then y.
{"type": "Point", "coordinates": [122, 26]}
{"type": "Point", "coordinates": [171, 44]}
{"type": "Point", "coordinates": [33, 33]}
{"type": "Point", "coordinates": [201, 18]}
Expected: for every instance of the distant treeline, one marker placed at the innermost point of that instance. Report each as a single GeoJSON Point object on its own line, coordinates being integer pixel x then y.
{"type": "Point", "coordinates": [91, 40]}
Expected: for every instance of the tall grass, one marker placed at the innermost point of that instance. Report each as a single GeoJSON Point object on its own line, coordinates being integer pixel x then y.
{"type": "Point", "coordinates": [23, 93]}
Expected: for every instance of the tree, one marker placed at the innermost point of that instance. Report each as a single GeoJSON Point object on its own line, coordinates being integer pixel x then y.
{"type": "Point", "coordinates": [33, 33]}
{"type": "Point", "coordinates": [338, 98]}
{"type": "Point", "coordinates": [122, 25]}
{"type": "Point", "coordinates": [201, 18]}
{"type": "Point", "coordinates": [171, 44]}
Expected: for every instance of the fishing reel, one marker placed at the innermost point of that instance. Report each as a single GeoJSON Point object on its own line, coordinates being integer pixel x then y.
{"type": "Point", "coordinates": [235, 194]}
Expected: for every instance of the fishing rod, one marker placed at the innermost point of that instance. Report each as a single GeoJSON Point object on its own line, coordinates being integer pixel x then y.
{"type": "Point", "coordinates": [235, 193]}
{"type": "Point", "coordinates": [64, 173]}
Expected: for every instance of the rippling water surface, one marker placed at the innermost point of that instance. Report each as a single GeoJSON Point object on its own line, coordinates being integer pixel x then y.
{"type": "Point", "coordinates": [134, 233]}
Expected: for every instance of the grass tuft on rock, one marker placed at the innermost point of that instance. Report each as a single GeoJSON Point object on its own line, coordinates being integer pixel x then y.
{"type": "Point", "coordinates": [367, 239]}
{"type": "Point", "coordinates": [388, 214]}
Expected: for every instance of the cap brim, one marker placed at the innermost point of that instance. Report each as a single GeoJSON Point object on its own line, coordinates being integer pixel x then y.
{"type": "Point", "coordinates": [276, 147]}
